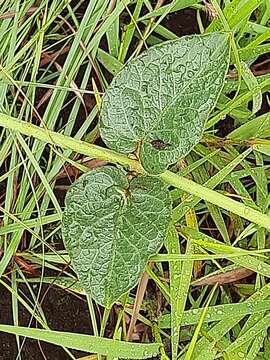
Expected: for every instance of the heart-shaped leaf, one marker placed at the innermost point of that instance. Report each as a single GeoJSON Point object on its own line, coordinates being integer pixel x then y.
{"type": "Point", "coordinates": [111, 226]}
{"type": "Point", "coordinates": [158, 104]}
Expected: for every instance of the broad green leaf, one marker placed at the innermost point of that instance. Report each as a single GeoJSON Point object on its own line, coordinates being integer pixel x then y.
{"type": "Point", "coordinates": [111, 226]}
{"type": "Point", "coordinates": [159, 103]}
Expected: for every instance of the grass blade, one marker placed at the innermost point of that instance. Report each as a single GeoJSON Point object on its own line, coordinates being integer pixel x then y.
{"type": "Point", "coordinates": [88, 343]}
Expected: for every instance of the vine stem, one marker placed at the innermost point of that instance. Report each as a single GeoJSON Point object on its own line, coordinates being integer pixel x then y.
{"type": "Point", "coordinates": [169, 177]}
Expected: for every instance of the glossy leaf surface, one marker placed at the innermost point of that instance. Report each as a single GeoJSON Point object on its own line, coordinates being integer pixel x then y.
{"type": "Point", "coordinates": [111, 227]}
{"type": "Point", "coordinates": [158, 104]}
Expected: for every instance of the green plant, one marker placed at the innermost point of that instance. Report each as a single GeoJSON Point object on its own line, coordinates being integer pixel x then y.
{"type": "Point", "coordinates": [156, 106]}
{"type": "Point", "coordinates": [57, 59]}
{"type": "Point", "coordinates": [111, 227]}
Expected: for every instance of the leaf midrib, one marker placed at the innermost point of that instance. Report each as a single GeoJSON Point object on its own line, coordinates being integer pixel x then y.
{"type": "Point", "coordinates": [174, 98]}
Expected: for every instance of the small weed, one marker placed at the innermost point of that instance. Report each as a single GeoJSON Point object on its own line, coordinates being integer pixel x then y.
{"type": "Point", "coordinates": [178, 269]}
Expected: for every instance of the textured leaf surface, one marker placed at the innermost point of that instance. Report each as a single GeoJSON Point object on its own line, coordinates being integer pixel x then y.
{"type": "Point", "coordinates": [111, 226]}
{"type": "Point", "coordinates": [162, 99]}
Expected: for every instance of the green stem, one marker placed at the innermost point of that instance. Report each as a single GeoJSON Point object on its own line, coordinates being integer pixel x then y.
{"type": "Point", "coordinates": [92, 314]}
{"type": "Point", "coordinates": [104, 321]}
{"type": "Point", "coordinates": [216, 198]}
{"type": "Point", "coordinates": [156, 333]}
{"type": "Point", "coordinates": [67, 142]}
{"type": "Point", "coordinates": [95, 151]}
{"type": "Point", "coordinates": [93, 319]}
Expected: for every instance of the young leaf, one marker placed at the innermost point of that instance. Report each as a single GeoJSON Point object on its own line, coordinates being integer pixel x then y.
{"type": "Point", "coordinates": [111, 226]}
{"type": "Point", "coordinates": [159, 102]}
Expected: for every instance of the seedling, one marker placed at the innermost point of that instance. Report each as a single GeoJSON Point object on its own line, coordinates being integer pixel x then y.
{"type": "Point", "coordinates": [109, 238]}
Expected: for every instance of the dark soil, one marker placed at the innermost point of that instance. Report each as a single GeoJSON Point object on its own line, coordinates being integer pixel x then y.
{"type": "Point", "coordinates": [64, 312]}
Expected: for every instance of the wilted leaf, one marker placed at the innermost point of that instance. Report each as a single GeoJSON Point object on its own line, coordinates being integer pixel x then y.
{"type": "Point", "coordinates": [160, 101]}
{"type": "Point", "coordinates": [111, 227]}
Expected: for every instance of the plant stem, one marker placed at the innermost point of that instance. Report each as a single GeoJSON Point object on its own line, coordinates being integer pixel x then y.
{"type": "Point", "coordinates": [104, 321]}
{"type": "Point", "coordinates": [95, 151]}
{"type": "Point", "coordinates": [67, 142]}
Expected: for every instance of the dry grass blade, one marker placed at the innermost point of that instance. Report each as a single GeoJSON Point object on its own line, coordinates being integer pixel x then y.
{"type": "Point", "coordinates": [137, 304]}
{"type": "Point", "coordinates": [225, 278]}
